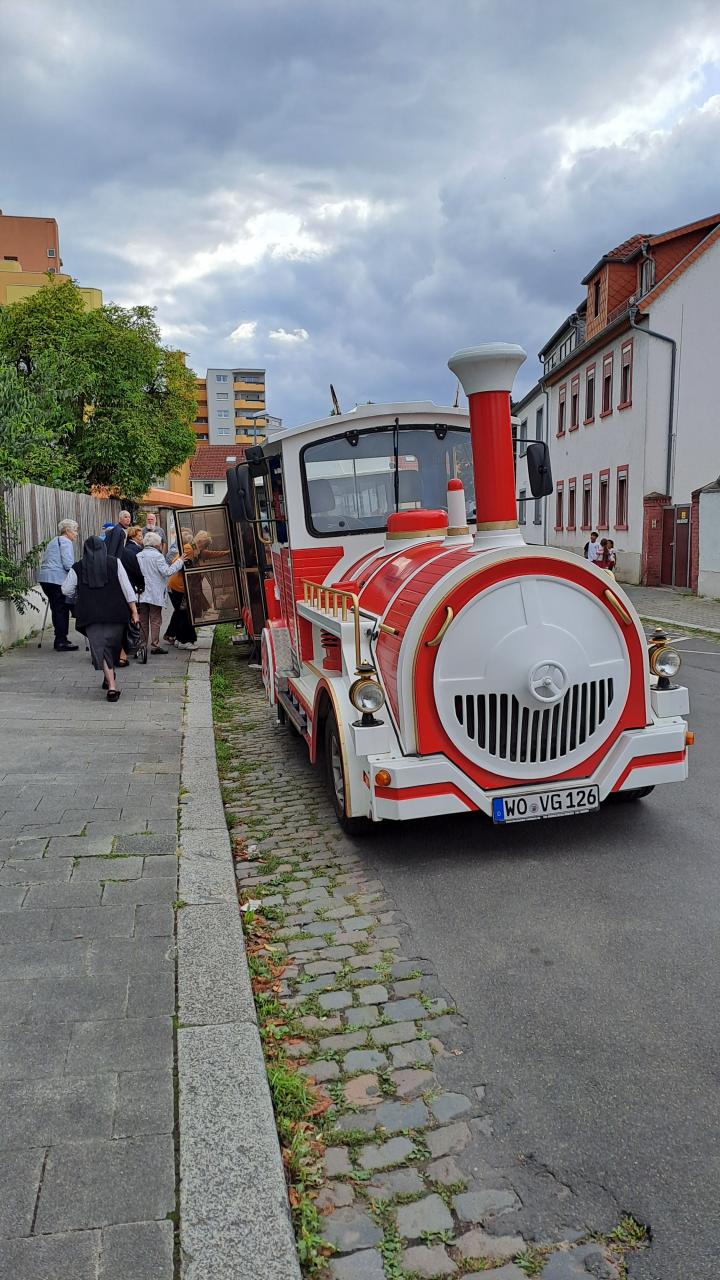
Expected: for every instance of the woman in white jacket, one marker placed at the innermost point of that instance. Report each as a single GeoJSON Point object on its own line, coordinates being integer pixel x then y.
{"type": "Point", "coordinates": [156, 571]}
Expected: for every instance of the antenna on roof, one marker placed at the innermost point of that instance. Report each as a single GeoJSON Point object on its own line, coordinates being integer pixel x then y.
{"type": "Point", "coordinates": [336, 411]}
{"type": "Point", "coordinates": [457, 395]}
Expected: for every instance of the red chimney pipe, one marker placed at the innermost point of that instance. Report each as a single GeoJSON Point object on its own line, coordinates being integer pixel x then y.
{"type": "Point", "coordinates": [487, 374]}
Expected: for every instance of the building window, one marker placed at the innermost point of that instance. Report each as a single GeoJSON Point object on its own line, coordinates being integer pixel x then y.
{"type": "Point", "coordinates": [590, 394]}
{"type": "Point", "coordinates": [51, 271]}
{"type": "Point", "coordinates": [223, 431]}
{"type": "Point", "coordinates": [208, 488]}
{"type": "Point", "coordinates": [596, 299]}
{"type": "Point", "coordinates": [522, 506]}
{"type": "Point", "coordinates": [202, 420]}
{"type": "Point", "coordinates": [221, 377]}
{"type": "Point", "coordinates": [9, 257]}
{"type": "Point", "coordinates": [626, 364]}
{"type": "Point", "coordinates": [223, 413]}
{"type": "Point", "coordinates": [537, 517]}
{"type": "Point", "coordinates": [239, 376]}
{"type": "Point", "coordinates": [222, 395]}
{"type": "Point", "coordinates": [587, 502]}
{"type": "Point", "coordinates": [539, 424]}
{"type": "Point", "coordinates": [572, 486]}
{"type": "Point", "coordinates": [604, 500]}
{"type": "Point", "coordinates": [647, 275]}
{"type": "Point", "coordinates": [607, 386]}
{"type": "Point", "coordinates": [559, 498]}
{"type": "Point", "coordinates": [575, 404]}
{"type": "Point", "coordinates": [51, 253]}
{"type": "Point", "coordinates": [202, 435]}
{"type": "Point", "coordinates": [621, 499]}
{"type": "Point", "coordinates": [523, 435]}
{"type": "Point", "coordinates": [562, 393]}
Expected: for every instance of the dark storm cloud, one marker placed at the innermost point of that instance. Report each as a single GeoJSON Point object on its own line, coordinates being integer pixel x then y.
{"type": "Point", "coordinates": [373, 183]}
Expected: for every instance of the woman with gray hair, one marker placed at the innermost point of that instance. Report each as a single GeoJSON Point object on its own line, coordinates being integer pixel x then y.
{"type": "Point", "coordinates": [156, 571]}
{"type": "Point", "coordinates": [57, 560]}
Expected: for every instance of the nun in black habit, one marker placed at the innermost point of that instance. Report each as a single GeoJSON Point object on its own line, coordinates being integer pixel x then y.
{"type": "Point", "coordinates": [104, 603]}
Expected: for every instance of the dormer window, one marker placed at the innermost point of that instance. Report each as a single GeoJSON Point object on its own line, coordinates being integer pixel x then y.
{"type": "Point", "coordinates": [647, 275]}
{"type": "Point", "coordinates": [596, 298]}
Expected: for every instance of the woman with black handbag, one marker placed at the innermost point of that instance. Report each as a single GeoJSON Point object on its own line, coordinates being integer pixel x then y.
{"type": "Point", "coordinates": [104, 601]}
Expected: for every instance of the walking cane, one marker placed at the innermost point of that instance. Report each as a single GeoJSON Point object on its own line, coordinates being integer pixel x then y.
{"type": "Point", "coordinates": [42, 631]}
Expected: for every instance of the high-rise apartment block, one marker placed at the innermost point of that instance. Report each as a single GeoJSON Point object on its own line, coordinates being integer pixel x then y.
{"type": "Point", "coordinates": [231, 407]}
{"type": "Point", "coordinates": [32, 242]}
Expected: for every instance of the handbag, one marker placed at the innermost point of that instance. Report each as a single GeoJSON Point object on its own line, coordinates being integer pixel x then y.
{"type": "Point", "coordinates": [133, 637]}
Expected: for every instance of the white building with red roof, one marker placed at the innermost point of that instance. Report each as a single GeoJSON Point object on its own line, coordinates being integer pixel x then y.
{"type": "Point", "coordinates": [628, 397]}
{"type": "Point", "coordinates": [208, 471]}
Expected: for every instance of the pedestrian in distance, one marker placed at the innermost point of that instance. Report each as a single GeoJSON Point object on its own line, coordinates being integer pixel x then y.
{"type": "Point", "coordinates": [57, 560]}
{"type": "Point", "coordinates": [152, 526]}
{"type": "Point", "coordinates": [106, 529]}
{"type": "Point", "coordinates": [115, 540]}
{"type": "Point", "coordinates": [609, 558]}
{"type": "Point", "coordinates": [129, 561]}
{"type": "Point", "coordinates": [592, 549]}
{"type": "Point", "coordinates": [156, 571]}
{"type": "Point", "coordinates": [104, 603]}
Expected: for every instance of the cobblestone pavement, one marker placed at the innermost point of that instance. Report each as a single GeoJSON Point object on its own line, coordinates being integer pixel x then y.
{"type": "Point", "coordinates": [88, 875]}
{"type": "Point", "coordinates": [415, 1184]}
{"type": "Point", "coordinates": [675, 606]}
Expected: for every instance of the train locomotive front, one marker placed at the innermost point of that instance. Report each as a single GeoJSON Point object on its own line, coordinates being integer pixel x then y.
{"type": "Point", "coordinates": [451, 670]}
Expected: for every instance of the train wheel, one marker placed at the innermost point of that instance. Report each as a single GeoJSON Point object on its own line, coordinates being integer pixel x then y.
{"type": "Point", "coordinates": [337, 780]}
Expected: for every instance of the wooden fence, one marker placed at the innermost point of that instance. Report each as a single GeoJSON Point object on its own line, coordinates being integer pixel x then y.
{"type": "Point", "coordinates": [36, 511]}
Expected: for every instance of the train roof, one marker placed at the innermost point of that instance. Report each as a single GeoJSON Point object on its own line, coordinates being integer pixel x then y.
{"type": "Point", "coordinates": [422, 412]}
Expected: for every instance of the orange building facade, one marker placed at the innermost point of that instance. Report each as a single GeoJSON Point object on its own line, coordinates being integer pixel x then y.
{"type": "Point", "coordinates": [33, 242]}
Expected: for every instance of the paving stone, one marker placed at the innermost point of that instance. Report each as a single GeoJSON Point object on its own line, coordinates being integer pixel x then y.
{"type": "Point", "coordinates": [362, 1091]}
{"type": "Point", "coordinates": [107, 868]}
{"type": "Point", "coordinates": [404, 1010]}
{"type": "Point", "coordinates": [151, 994]}
{"type": "Point", "coordinates": [427, 1262]}
{"type": "Point", "coordinates": [298, 1049]}
{"type": "Point", "coordinates": [47, 1111]}
{"type": "Point", "coordinates": [450, 1105]}
{"type": "Point", "coordinates": [476, 1206]}
{"type": "Point", "coordinates": [396, 1034]}
{"type": "Point", "coordinates": [143, 1250]}
{"type": "Point", "coordinates": [429, 1214]}
{"type": "Point", "coordinates": [367, 1017]}
{"type": "Point", "coordinates": [337, 1161]}
{"type": "Point", "coordinates": [20, 1173]}
{"type": "Point", "coordinates": [92, 922]}
{"type": "Point", "coordinates": [334, 1195]}
{"type": "Point", "coordinates": [364, 1060]}
{"type": "Point", "coordinates": [398, 1182]}
{"type": "Point", "coordinates": [29, 872]}
{"type": "Point", "coordinates": [410, 1084]}
{"type": "Point", "coordinates": [12, 898]}
{"type": "Point", "coordinates": [365, 1265]}
{"type": "Point", "coordinates": [408, 1055]}
{"type": "Point", "coordinates": [368, 960]}
{"type": "Point", "coordinates": [477, 1244]}
{"type": "Point", "coordinates": [360, 976]}
{"type": "Point", "coordinates": [449, 1140]}
{"type": "Point", "coordinates": [132, 1044]}
{"type": "Point", "coordinates": [335, 1000]}
{"type": "Point", "coordinates": [145, 1104]}
{"type": "Point", "coordinates": [508, 1272]}
{"type": "Point", "coordinates": [352, 1040]}
{"type": "Point", "coordinates": [337, 953]}
{"type": "Point", "coordinates": [54, 1257]}
{"type": "Point", "coordinates": [28, 926]}
{"type": "Point", "coordinates": [146, 889]}
{"type": "Point", "coordinates": [410, 987]}
{"type": "Point", "coordinates": [320, 1070]}
{"type": "Point", "coordinates": [92, 1184]}
{"type": "Point", "coordinates": [310, 1023]}
{"type": "Point", "coordinates": [154, 919]}
{"type": "Point", "coordinates": [445, 1171]}
{"type": "Point", "coordinates": [351, 1229]}
{"type": "Point", "coordinates": [29, 1051]}
{"type": "Point", "coordinates": [385, 1155]}
{"type": "Point", "coordinates": [372, 995]}
{"type": "Point", "coordinates": [131, 955]}
{"type": "Point", "coordinates": [402, 1115]}
{"type": "Point", "coordinates": [57, 894]}
{"type": "Point", "coordinates": [579, 1264]}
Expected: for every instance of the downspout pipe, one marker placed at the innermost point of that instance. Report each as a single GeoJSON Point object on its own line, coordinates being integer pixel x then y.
{"type": "Point", "coordinates": [663, 337]}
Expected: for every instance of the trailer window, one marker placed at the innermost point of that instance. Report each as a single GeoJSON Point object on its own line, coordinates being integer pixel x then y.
{"type": "Point", "coordinates": [354, 481]}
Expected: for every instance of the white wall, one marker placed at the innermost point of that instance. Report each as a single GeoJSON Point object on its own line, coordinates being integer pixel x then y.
{"type": "Point", "coordinates": [202, 499]}
{"type": "Point", "coordinates": [688, 312]}
{"type": "Point", "coordinates": [16, 626]}
{"type": "Point", "coordinates": [221, 430]}
{"type": "Point", "coordinates": [709, 550]}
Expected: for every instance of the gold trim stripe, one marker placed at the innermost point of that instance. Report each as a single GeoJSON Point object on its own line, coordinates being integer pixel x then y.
{"type": "Point", "coordinates": [497, 524]}
{"type": "Point", "coordinates": [616, 605]}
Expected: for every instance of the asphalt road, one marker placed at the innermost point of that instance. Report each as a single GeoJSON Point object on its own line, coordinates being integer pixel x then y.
{"type": "Point", "coordinates": [584, 953]}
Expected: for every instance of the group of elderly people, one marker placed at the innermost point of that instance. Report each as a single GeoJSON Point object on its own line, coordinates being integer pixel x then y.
{"type": "Point", "coordinates": [120, 577]}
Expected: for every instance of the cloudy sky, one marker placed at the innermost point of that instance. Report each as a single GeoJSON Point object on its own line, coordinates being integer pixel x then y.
{"type": "Point", "coordinates": [348, 190]}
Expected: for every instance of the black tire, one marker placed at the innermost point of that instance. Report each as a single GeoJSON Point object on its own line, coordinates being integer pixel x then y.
{"type": "Point", "coordinates": [336, 779]}
{"type": "Point", "coordinates": [638, 793]}
{"type": "Point", "coordinates": [142, 654]}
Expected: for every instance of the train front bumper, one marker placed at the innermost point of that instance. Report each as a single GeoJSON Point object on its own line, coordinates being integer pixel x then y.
{"type": "Point", "coordinates": [423, 786]}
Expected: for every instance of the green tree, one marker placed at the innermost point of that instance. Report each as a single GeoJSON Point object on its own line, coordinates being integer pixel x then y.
{"type": "Point", "coordinates": [114, 406]}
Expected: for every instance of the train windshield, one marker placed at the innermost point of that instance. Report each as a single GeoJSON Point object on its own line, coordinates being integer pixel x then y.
{"type": "Point", "coordinates": [354, 481]}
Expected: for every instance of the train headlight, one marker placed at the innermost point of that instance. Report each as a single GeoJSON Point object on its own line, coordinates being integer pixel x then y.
{"type": "Point", "coordinates": [367, 696]}
{"type": "Point", "coordinates": [665, 662]}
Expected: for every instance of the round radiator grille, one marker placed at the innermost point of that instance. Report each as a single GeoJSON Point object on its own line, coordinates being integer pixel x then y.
{"type": "Point", "coordinates": [531, 677]}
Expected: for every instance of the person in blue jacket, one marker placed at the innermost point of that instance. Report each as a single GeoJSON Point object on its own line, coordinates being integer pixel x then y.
{"type": "Point", "coordinates": [58, 558]}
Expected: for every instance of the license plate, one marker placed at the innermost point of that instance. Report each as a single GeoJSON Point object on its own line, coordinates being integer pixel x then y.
{"type": "Point", "coordinates": [564, 803]}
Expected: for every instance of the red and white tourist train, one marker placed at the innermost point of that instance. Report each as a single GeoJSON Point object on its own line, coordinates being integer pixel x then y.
{"type": "Point", "coordinates": [434, 664]}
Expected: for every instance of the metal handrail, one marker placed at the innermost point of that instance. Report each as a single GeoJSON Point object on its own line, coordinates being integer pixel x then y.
{"type": "Point", "coordinates": [336, 603]}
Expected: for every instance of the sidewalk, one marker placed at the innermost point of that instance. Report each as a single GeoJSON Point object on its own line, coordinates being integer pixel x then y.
{"type": "Point", "coordinates": [675, 607]}
{"type": "Point", "coordinates": [88, 878]}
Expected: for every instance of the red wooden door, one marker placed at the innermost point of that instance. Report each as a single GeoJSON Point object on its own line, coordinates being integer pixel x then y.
{"type": "Point", "coordinates": [675, 564]}
{"type": "Point", "coordinates": [668, 545]}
